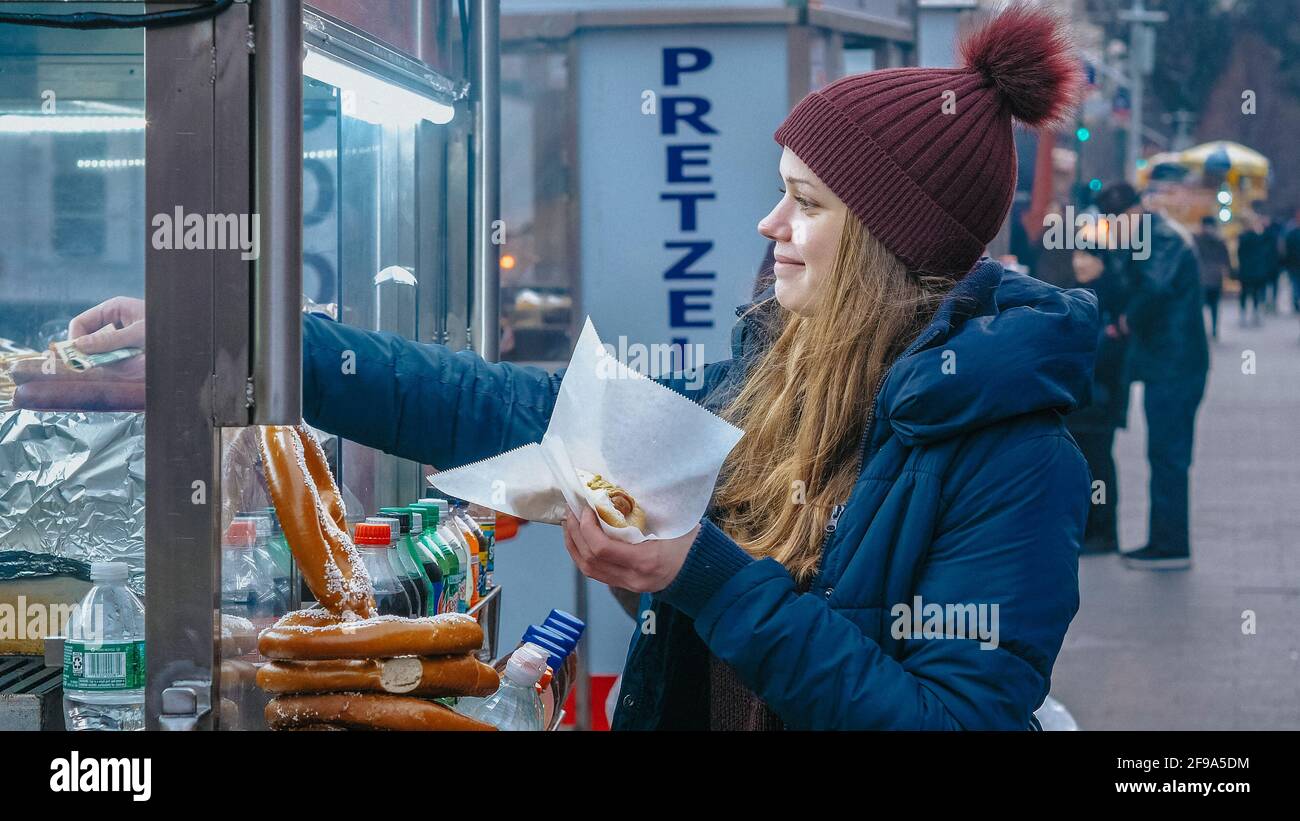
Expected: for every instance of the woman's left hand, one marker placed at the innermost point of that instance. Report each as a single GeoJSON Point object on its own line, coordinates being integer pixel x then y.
{"type": "Point", "coordinates": [647, 567]}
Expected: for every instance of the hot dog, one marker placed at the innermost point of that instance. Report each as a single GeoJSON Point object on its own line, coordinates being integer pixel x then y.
{"type": "Point", "coordinates": [428, 677]}
{"type": "Point", "coordinates": [611, 502]}
{"type": "Point", "coordinates": [369, 711]}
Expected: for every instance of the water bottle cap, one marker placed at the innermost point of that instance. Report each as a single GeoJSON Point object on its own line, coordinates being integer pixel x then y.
{"type": "Point", "coordinates": [373, 533]}
{"type": "Point", "coordinates": [109, 571]}
{"type": "Point", "coordinates": [526, 665]}
{"type": "Point", "coordinates": [241, 533]}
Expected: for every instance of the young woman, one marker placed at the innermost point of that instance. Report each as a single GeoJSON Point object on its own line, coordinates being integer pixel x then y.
{"type": "Point", "coordinates": [901, 400]}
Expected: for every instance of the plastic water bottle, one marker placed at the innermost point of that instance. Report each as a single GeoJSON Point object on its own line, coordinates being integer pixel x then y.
{"type": "Point", "coordinates": [103, 655]}
{"type": "Point", "coordinates": [516, 705]}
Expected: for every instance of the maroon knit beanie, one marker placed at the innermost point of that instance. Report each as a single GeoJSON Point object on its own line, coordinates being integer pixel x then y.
{"type": "Point", "coordinates": [931, 174]}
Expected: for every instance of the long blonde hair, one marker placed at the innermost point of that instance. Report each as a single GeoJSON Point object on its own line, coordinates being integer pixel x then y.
{"type": "Point", "coordinates": [804, 405]}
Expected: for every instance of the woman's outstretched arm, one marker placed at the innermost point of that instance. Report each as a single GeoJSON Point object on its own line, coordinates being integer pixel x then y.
{"type": "Point", "coordinates": [424, 402]}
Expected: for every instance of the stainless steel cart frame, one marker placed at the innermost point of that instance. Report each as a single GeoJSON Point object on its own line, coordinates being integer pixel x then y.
{"type": "Point", "coordinates": [224, 111]}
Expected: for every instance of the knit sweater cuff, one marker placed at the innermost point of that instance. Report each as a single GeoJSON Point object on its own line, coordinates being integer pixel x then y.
{"type": "Point", "coordinates": [713, 559]}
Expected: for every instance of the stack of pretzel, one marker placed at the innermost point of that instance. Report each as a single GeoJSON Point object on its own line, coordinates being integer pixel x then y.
{"type": "Point", "coordinates": [342, 666]}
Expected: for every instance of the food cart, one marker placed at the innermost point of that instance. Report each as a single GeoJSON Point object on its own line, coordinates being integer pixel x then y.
{"type": "Point", "coordinates": [367, 151]}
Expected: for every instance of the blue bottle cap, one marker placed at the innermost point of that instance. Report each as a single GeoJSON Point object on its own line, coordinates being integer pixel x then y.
{"type": "Point", "coordinates": [567, 630]}
{"type": "Point", "coordinates": [557, 638]}
{"type": "Point", "coordinates": [569, 619]}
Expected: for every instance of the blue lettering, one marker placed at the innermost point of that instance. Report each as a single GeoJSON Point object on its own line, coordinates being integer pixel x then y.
{"type": "Point", "coordinates": [694, 251]}
{"type": "Point", "coordinates": [679, 302]}
{"type": "Point", "coordinates": [694, 117]}
{"type": "Point", "coordinates": [674, 68]}
{"type": "Point", "coordinates": [677, 162]}
{"type": "Point", "coordinates": [687, 213]}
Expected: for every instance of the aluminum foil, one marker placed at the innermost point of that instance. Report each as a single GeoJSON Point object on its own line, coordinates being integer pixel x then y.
{"type": "Point", "coordinates": [71, 489]}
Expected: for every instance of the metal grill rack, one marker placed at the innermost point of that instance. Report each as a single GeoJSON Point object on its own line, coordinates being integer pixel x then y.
{"type": "Point", "coordinates": [31, 694]}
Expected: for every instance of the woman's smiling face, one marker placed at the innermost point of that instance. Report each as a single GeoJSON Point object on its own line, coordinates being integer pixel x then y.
{"type": "Point", "coordinates": [805, 225]}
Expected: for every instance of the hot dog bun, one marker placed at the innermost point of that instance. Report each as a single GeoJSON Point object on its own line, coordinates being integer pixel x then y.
{"type": "Point", "coordinates": [612, 503]}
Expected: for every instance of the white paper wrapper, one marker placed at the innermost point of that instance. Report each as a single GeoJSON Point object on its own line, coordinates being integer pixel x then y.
{"type": "Point", "coordinates": [661, 447]}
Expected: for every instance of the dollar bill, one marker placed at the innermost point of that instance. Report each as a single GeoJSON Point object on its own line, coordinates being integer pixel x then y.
{"type": "Point", "coordinates": [75, 359]}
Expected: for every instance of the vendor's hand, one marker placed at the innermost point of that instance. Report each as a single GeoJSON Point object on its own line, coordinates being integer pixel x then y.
{"type": "Point", "coordinates": [110, 325]}
{"type": "Point", "coordinates": [46, 384]}
{"type": "Point", "coordinates": [647, 567]}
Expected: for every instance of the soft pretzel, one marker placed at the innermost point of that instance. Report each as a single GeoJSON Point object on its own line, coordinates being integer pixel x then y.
{"type": "Point", "coordinates": [308, 635]}
{"type": "Point", "coordinates": [368, 711]}
{"type": "Point", "coordinates": [428, 677]}
{"type": "Point", "coordinates": [319, 469]}
{"type": "Point", "coordinates": [310, 519]}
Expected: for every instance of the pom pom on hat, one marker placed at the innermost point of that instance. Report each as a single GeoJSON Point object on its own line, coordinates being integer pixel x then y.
{"type": "Point", "coordinates": [1027, 54]}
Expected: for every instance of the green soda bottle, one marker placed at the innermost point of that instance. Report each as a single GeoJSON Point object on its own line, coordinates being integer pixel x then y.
{"type": "Point", "coordinates": [452, 579]}
{"type": "Point", "coordinates": [406, 542]}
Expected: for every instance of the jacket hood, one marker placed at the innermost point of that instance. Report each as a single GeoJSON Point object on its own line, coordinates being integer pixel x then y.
{"type": "Point", "coordinates": [1002, 344]}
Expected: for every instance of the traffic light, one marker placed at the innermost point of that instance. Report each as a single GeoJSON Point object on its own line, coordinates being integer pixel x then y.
{"type": "Point", "coordinates": [1083, 134]}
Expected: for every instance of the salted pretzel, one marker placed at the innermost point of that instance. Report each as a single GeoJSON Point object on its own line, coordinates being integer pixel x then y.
{"type": "Point", "coordinates": [427, 677]}
{"type": "Point", "coordinates": [364, 711]}
{"type": "Point", "coordinates": [310, 635]}
{"type": "Point", "coordinates": [310, 509]}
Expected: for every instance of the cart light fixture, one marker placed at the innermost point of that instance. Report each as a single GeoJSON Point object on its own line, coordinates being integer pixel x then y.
{"type": "Point", "coordinates": [67, 123]}
{"type": "Point", "coordinates": [369, 98]}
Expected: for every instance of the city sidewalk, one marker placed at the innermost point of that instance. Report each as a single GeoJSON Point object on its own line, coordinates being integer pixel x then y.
{"type": "Point", "coordinates": [1152, 650]}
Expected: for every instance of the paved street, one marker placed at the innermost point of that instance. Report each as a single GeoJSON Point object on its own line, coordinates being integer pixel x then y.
{"type": "Point", "coordinates": [1166, 650]}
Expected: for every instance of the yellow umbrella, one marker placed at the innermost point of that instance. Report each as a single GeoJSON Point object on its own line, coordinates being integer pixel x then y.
{"type": "Point", "coordinates": [1243, 161]}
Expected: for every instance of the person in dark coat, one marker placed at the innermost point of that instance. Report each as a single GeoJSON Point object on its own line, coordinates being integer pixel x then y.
{"type": "Point", "coordinates": [1093, 426]}
{"type": "Point", "coordinates": [1169, 354]}
{"type": "Point", "coordinates": [1216, 265]}
{"type": "Point", "coordinates": [1291, 260]}
{"type": "Point", "coordinates": [1256, 257]}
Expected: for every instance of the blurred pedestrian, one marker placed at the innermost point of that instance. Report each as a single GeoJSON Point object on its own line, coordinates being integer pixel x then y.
{"type": "Point", "coordinates": [1093, 426]}
{"type": "Point", "coordinates": [1169, 354]}
{"type": "Point", "coordinates": [1273, 266]}
{"type": "Point", "coordinates": [1216, 263]}
{"type": "Point", "coordinates": [1291, 259]}
{"type": "Point", "coordinates": [1255, 259]}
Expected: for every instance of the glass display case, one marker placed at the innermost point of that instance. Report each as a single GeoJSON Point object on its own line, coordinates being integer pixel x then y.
{"type": "Point", "coordinates": [223, 175]}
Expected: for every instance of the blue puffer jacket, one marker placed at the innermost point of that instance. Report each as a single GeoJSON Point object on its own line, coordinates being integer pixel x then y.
{"type": "Point", "coordinates": [971, 493]}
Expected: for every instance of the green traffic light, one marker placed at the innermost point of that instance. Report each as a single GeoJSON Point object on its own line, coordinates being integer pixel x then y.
{"type": "Point", "coordinates": [1083, 134]}
{"type": "Point", "coordinates": [1094, 184]}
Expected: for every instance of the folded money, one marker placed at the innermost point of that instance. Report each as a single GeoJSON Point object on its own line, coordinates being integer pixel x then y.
{"type": "Point", "coordinates": [75, 359]}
